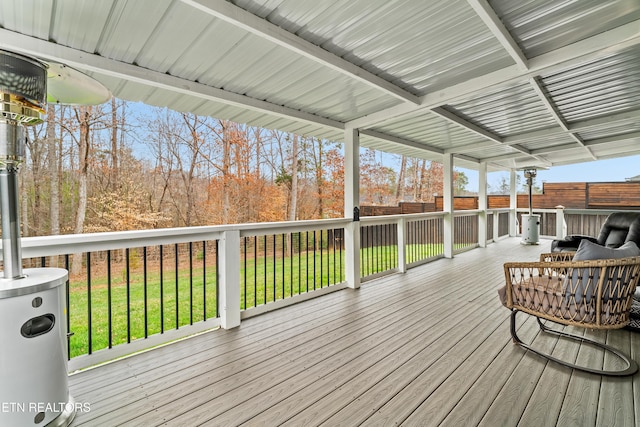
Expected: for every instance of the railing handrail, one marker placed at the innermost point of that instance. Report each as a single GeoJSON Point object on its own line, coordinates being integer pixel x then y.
{"type": "Point", "coordinates": [467, 212]}
{"type": "Point", "coordinates": [39, 246]}
{"type": "Point", "coordinates": [73, 243]}
{"type": "Point", "coordinates": [204, 270]}
{"type": "Point", "coordinates": [595, 211]}
{"type": "Point", "coordinates": [577, 211]}
{"type": "Point", "coordinates": [542, 210]}
{"type": "Point", "coordinates": [393, 219]}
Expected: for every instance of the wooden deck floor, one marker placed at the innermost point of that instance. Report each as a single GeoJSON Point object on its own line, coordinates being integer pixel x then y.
{"type": "Point", "coordinates": [429, 347]}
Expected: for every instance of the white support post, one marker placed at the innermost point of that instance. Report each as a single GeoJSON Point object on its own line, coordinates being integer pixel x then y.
{"type": "Point", "coordinates": [352, 206]}
{"type": "Point", "coordinates": [561, 225]}
{"type": "Point", "coordinates": [402, 245]}
{"type": "Point", "coordinates": [482, 205]}
{"type": "Point", "coordinates": [513, 204]}
{"type": "Point", "coordinates": [496, 226]}
{"type": "Point", "coordinates": [448, 205]}
{"type": "Point", "coordinates": [229, 279]}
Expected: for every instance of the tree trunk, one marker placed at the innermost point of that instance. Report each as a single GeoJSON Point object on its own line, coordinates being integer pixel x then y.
{"type": "Point", "coordinates": [320, 180]}
{"type": "Point", "coordinates": [83, 114]}
{"type": "Point", "coordinates": [418, 176]}
{"type": "Point", "coordinates": [54, 184]}
{"type": "Point", "coordinates": [188, 176]}
{"type": "Point", "coordinates": [258, 141]}
{"type": "Point", "coordinates": [400, 186]}
{"type": "Point", "coordinates": [226, 170]}
{"type": "Point", "coordinates": [31, 183]}
{"type": "Point", "coordinates": [293, 205]}
{"type": "Point", "coordinates": [114, 144]}
{"type": "Point", "coordinates": [421, 183]}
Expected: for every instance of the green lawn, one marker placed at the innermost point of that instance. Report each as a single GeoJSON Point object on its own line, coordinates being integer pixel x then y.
{"type": "Point", "coordinates": [265, 280]}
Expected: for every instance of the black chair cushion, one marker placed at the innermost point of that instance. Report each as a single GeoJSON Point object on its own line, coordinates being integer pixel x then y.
{"type": "Point", "coordinates": [618, 228]}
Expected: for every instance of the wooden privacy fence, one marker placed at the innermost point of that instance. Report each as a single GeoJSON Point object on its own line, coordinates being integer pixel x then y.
{"type": "Point", "coordinates": [571, 195]}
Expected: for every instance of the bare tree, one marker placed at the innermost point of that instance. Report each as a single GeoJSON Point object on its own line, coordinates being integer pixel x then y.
{"type": "Point", "coordinates": [226, 169]}
{"type": "Point", "coordinates": [114, 144]}
{"type": "Point", "coordinates": [401, 184]}
{"type": "Point", "coordinates": [54, 183]}
{"type": "Point", "coordinates": [293, 197]}
{"type": "Point", "coordinates": [34, 188]}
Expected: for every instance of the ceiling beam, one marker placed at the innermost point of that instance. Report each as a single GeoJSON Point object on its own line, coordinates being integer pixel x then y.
{"type": "Point", "coordinates": [575, 127]}
{"type": "Point", "coordinates": [533, 136]}
{"type": "Point", "coordinates": [605, 121]}
{"type": "Point", "coordinates": [460, 122]}
{"type": "Point", "coordinates": [535, 83]}
{"type": "Point", "coordinates": [502, 157]}
{"type": "Point", "coordinates": [413, 144]}
{"type": "Point", "coordinates": [555, 149]}
{"type": "Point", "coordinates": [588, 49]}
{"type": "Point", "coordinates": [48, 51]}
{"type": "Point", "coordinates": [465, 124]}
{"type": "Point", "coordinates": [497, 140]}
{"type": "Point", "coordinates": [470, 148]}
{"type": "Point", "coordinates": [467, 158]}
{"type": "Point", "coordinates": [548, 104]}
{"type": "Point", "coordinates": [500, 32]}
{"type": "Point", "coordinates": [400, 141]}
{"type": "Point", "coordinates": [228, 12]}
{"type": "Point", "coordinates": [589, 143]}
{"type": "Point", "coordinates": [522, 163]}
{"type": "Point", "coordinates": [581, 143]}
{"type": "Point", "coordinates": [614, 138]}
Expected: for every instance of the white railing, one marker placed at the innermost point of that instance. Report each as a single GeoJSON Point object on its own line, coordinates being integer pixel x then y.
{"type": "Point", "coordinates": [170, 283]}
{"type": "Point", "coordinates": [497, 224]}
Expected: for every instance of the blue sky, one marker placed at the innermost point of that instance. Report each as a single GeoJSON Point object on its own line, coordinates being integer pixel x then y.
{"type": "Point", "coordinates": [610, 170]}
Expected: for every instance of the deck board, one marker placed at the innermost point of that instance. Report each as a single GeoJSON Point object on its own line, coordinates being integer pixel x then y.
{"type": "Point", "coordinates": [509, 405]}
{"type": "Point", "coordinates": [546, 400]}
{"type": "Point", "coordinates": [580, 404]}
{"type": "Point", "coordinates": [445, 396]}
{"type": "Point", "coordinates": [378, 354]}
{"type": "Point", "coordinates": [616, 394]}
{"type": "Point", "coordinates": [428, 347]}
{"type": "Point", "coordinates": [479, 396]}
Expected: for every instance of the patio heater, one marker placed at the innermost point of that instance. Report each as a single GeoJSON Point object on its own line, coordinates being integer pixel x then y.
{"type": "Point", "coordinates": [33, 341]}
{"type": "Point", "coordinates": [531, 222]}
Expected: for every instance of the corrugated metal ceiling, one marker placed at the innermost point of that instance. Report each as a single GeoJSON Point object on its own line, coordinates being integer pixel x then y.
{"type": "Point", "coordinates": [542, 26]}
{"type": "Point", "coordinates": [538, 82]}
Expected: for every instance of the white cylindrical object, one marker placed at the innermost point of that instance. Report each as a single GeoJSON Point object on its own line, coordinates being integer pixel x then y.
{"type": "Point", "coordinates": [33, 361]}
{"type": "Point", "coordinates": [530, 229]}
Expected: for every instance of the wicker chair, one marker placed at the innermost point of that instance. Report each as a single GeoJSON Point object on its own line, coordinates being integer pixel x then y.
{"type": "Point", "coordinates": [593, 294]}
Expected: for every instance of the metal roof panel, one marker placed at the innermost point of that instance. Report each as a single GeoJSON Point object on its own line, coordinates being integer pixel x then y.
{"type": "Point", "coordinates": [597, 88]}
{"type": "Point", "coordinates": [164, 51]}
{"type": "Point", "coordinates": [541, 26]}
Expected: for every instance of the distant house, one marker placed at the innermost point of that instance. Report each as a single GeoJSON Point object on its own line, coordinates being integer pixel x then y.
{"type": "Point", "coordinates": [633, 178]}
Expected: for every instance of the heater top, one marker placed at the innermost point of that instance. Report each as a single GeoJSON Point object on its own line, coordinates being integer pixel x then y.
{"type": "Point", "coordinates": [27, 84]}
{"type": "Point", "coordinates": [23, 88]}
